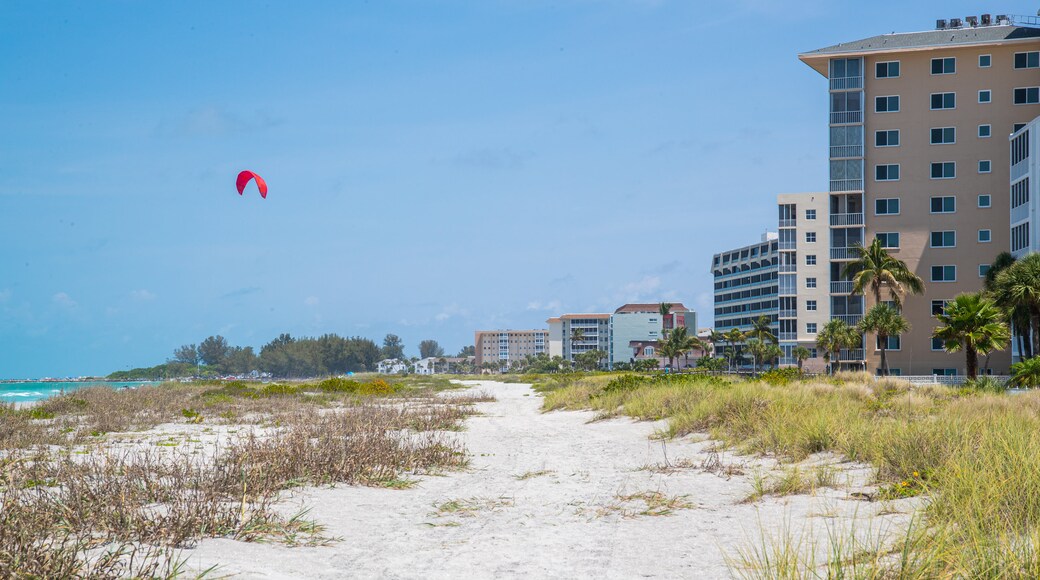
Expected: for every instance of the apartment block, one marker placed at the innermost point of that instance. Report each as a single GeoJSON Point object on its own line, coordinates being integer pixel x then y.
{"type": "Point", "coordinates": [1025, 189]}
{"type": "Point", "coordinates": [746, 284]}
{"type": "Point", "coordinates": [635, 330]}
{"type": "Point", "coordinates": [804, 272]}
{"type": "Point", "coordinates": [918, 160]}
{"type": "Point", "coordinates": [507, 346]}
{"type": "Point", "coordinates": [578, 333]}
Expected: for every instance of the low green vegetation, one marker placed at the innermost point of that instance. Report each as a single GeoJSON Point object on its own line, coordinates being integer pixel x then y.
{"type": "Point", "coordinates": [971, 451]}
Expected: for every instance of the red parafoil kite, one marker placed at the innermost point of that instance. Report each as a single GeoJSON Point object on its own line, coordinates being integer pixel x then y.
{"type": "Point", "coordinates": [243, 180]}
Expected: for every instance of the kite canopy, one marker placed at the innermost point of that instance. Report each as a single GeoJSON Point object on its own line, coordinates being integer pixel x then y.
{"type": "Point", "coordinates": [243, 180]}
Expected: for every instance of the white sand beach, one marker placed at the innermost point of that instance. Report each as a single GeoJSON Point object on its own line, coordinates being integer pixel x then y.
{"type": "Point", "coordinates": [547, 496]}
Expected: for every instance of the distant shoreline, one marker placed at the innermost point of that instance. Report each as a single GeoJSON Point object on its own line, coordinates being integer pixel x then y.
{"type": "Point", "coordinates": [10, 381]}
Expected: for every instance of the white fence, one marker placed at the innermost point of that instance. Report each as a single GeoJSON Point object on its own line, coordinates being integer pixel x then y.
{"type": "Point", "coordinates": [954, 380]}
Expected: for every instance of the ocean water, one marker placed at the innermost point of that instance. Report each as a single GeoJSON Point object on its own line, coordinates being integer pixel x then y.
{"type": "Point", "coordinates": [35, 391]}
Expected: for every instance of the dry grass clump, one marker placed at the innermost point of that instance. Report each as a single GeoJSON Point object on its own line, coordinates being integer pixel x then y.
{"type": "Point", "coordinates": [972, 454]}
{"type": "Point", "coordinates": [69, 510]}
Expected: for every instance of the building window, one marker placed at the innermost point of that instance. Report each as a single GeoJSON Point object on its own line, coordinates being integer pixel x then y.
{"type": "Point", "coordinates": [944, 273]}
{"type": "Point", "coordinates": [985, 131]}
{"type": "Point", "coordinates": [944, 204]}
{"type": "Point", "coordinates": [887, 104]}
{"type": "Point", "coordinates": [810, 260]}
{"type": "Point", "coordinates": [1017, 126]}
{"type": "Point", "coordinates": [886, 70]}
{"type": "Point", "coordinates": [888, 239]}
{"type": "Point", "coordinates": [810, 214]}
{"type": "Point", "coordinates": [937, 344]}
{"type": "Point", "coordinates": [985, 166]}
{"type": "Point", "coordinates": [810, 305]}
{"type": "Point", "coordinates": [648, 351]}
{"type": "Point", "coordinates": [944, 66]}
{"type": "Point", "coordinates": [985, 236]}
{"type": "Point", "coordinates": [810, 282]}
{"type": "Point", "coordinates": [938, 307]}
{"type": "Point", "coordinates": [893, 343]}
{"type": "Point", "coordinates": [886, 206]}
{"type": "Point", "coordinates": [944, 170]}
{"type": "Point", "coordinates": [810, 237]}
{"type": "Point", "coordinates": [985, 200]}
{"type": "Point", "coordinates": [888, 138]}
{"type": "Point", "coordinates": [947, 239]}
{"type": "Point", "coordinates": [985, 61]}
{"type": "Point", "coordinates": [985, 96]}
{"type": "Point", "coordinates": [886, 172]}
{"type": "Point", "coordinates": [1027, 59]}
{"type": "Point", "coordinates": [945, 372]}
{"type": "Point", "coordinates": [1027, 96]}
{"type": "Point", "coordinates": [943, 135]}
{"type": "Point", "coordinates": [983, 268]}
{"type": "Point", "coordinates": [810, 328]}
{"type": "Point", "coordinates": [1020, 237]}
{"type": "Point", "coordinates": [942, 101]}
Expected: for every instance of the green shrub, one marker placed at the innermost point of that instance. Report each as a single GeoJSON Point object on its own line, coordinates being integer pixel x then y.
{"type": "Point", "coordinates": [780, 377]}
{"type": "Point", "coordinates": [625, 383]}
{"type": "Point", "coordinates": [277, 389]}
{"type": "Point", "coordinates": [376, 387]}
{"type": "Point", "coordinates": [339, 385]}
{"type": "Point", "coordinates": [986, 385]}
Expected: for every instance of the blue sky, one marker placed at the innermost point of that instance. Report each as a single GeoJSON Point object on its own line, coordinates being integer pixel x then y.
{"type": "Point", "coordinates": [434, 167]}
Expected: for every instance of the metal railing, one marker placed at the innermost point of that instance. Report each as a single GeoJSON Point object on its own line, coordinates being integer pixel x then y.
{"type": "Point", "coordinates": [841, 151]}
{"type": "Point", "coordinates": [846, 185]}
{"type": "Point", "coordinates": [788, 314]}
{"type": "Point", "coordinates": [842, 287]}
{"type": "Point", "coordinates": [786, 245]}
{"type": "Point", "coordinates": [843, 254]}
{"type": "Point", "coordinates": [845, 117]}
{"type": "Point", "coordinates": [788, 223]}
{"type": "Point", "coordinates": [787, 268]}
{"type": "Point", "coordinates": [841, 83]}
{"type": "Point", "coordinates": [851, 354]}
{"type": "Point", "coordinates": [846, 219]}
{"type": "Point", "coordinates": [850, 319]}
{"type": "Point", "coordinates": [787, 336]}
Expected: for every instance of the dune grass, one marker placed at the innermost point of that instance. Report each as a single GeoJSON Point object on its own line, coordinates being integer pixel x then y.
{"type": "Point", "coordinates": [971, 454]}
{"type": "Point", "coordinates": [74, 505]}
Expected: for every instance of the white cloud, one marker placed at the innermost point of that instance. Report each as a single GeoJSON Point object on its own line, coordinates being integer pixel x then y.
{"type": "Point", "coordinates": [64, 300]}
{"type": "Point", "coordinates": [312, 301]}
{"type": "Point", "coordinates": [450, 311]}
{"type": "Point", "coordinates": [636, 291]}
{"type": "Point", "coordinates": [550, 306]}
{"type": "Point", "coordinates": [142, 295]}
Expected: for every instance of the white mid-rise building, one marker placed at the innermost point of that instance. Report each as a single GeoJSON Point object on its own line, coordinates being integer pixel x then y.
{"type": "Point", "coordinates": [1025, 189]}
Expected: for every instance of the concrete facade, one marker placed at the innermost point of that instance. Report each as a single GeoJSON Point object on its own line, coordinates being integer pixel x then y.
{"type": "Point", "coordinates": [804, 274]}
{"type": "Point", "coordinates": [506, 346]}
{"type": "Point", "coordinates": [634, 328]}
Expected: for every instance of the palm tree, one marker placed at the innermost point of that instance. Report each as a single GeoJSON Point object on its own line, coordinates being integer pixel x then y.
{"type": "Point", "coordinates": [834, 336]}
{"type": "Point", "coordinates": [667, 349]}
{"type": "Point", "coordinates": [760, 329]}
{"type": "Point", "coordinates": [683, 343]}
{"type": "Point", "coordinates": [1026, 373]}
{"type": "Point", "coordinates": [733, 336]}
{"type": "Point", "coordinates": [800, 353]}
{"type": "Point", "coordinates": [1018, 286]}
{"type": "Point", "coordinates": [973, 323]}
{"type": "Point", "coordinates": [716, 337]}
{"type": "Point", "coordinates": [1017, 314]}
{"type": "Point", "coordinates": [885, 321]}
{"type": "Point", "coordinates": [757, 349]}
{"type": "Point", "coordinates": [876, 269]}
{"type": "Point", "coordinates": [664, 309]}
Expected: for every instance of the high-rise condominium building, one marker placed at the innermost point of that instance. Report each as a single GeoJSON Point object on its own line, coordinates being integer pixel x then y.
{"type": "Point", "coordinates": [919, 159]}
{"type": "Point", "coordinates": [746, 285]}
{"type": "Point", "coordinates": [804, 272]}
{"type": "Point", "coordinates": [573, 334]}
{"type": "Point", "coordinates": [506, 346]}
{"type": "Point", "coordinates": [1025, 189]}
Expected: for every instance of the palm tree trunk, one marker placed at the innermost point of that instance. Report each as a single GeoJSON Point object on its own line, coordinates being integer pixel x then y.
{"type": "Point", "coordinates": [1034, 320]}
{"type": "Point", "coordinates": [973, 362]}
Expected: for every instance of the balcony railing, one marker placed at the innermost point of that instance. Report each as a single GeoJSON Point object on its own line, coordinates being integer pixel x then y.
{"type": "Point", "coordinates": [851, 354]}
{"type": "Point", "coordinates": [846, 185]}
{"type": "Point", "coordinates": [1019, 169]}
{"type": "Point", "coordinates": [845, 117]}
{"type": "Point", "coordinates": [843, 151]}
{"type": "Point", "coordinates": [787, 336]}
{"type": "Point", "coordinates": [846, 219]}
{"type": "Point", "coordinates": [1019, 213]}
{"type": "Point", "coordinates": [850, 319]}
{"type": "Point", "coordinates": [788, 314]}
{"type": "Point", "coordinates": [787, 268]}
{"type": "Point", "coordinates": [844, 254]}
{"type": "Point", "coordinates": [842, 83]}
{"type": "Point", "coordinates": [786, 245]}
{"type": "Point", "coordinates": [842, 287]}
{"type": "Point", "coordinates": [788, 223]}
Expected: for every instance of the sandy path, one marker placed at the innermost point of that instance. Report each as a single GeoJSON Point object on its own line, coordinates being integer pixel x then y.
{"type": "Point", "coordinates": [567, 522]}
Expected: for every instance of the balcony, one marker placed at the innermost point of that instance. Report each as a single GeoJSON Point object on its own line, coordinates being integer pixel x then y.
{"type": "Point", "coordinates": [843, 83]}
{"type": "Point", "coordinates": [851, 354]}
{"type": "Point", "coordinates": [846, 117]}
{"type": "Point", "coordinates": [786, 336]}
{"type": "Point", "coordinates": [786, 245]}
{"type": "Point", "coordinates": [788, 223]}
{"type": "Point", "coordinates": [842, 287]}
{"type": "Point", "coordinates": [788, 268]}
{"type": "Point", "coordinates": [839, 185]}
{"type": "Point", "coordinates": [844, 151]}
{"type": "Point", "coordinates": [844, 254]}
{"type": "Point", "coordinates": [846, 219]}
{"type": "Point", "coordinates": [788, 314]}
{"type": "Point", "coordinates": [1020, 213]}
{"type": "Point", "coordinates": [850, 319]}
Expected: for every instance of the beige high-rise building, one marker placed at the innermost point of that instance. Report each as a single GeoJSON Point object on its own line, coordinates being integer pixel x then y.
{"type": "Point", "coordinates": [507, 346]}
{"type": "Point", "coordinates": [804, 269]}
{"type": "Point", "coordinates": [919, 158]}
